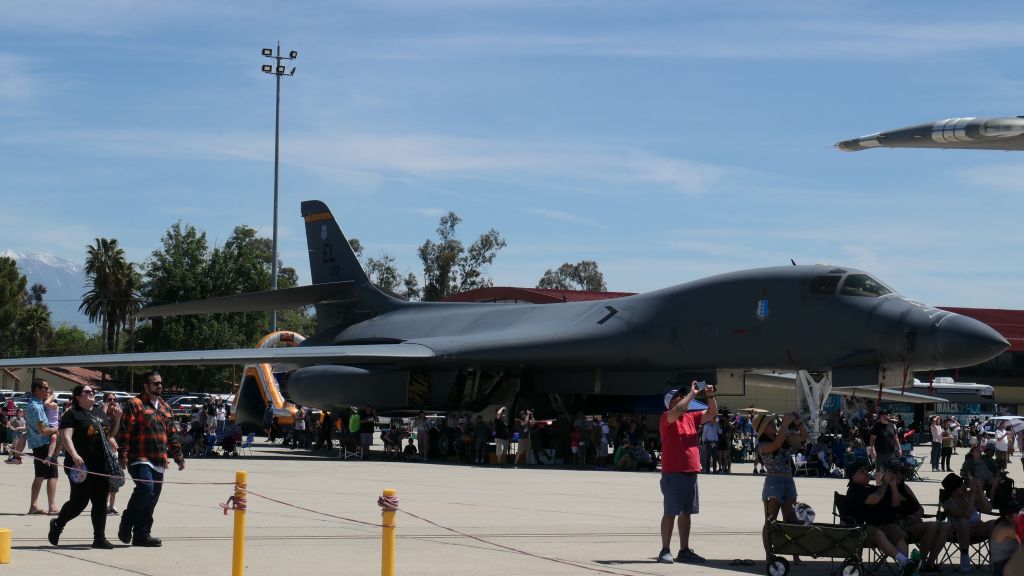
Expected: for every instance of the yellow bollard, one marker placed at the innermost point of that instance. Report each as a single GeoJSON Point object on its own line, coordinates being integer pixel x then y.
{"type": "Point", "coordinates": [387, 540]}
{"type": "Point", "coordinates": [5, 545]}
{"type": "Point", "coordinates": [238, 550]}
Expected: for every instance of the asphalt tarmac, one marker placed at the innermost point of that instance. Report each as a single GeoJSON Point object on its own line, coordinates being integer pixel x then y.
{"type": "Point", "coordinates": [591, 522]}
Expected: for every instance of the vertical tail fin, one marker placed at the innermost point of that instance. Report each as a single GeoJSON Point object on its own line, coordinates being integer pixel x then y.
{"type": "Point", "coordinates": [330, 257]}
{"type": "Point", "coordinates": [331, 260]}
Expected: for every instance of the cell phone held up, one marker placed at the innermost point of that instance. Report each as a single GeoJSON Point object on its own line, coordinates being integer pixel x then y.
{"type": "Point", "coordinates": [701, 385]}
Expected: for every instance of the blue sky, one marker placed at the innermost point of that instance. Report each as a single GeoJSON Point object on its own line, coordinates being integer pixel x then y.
{"type": "Point", "coordinates": [665, 140]}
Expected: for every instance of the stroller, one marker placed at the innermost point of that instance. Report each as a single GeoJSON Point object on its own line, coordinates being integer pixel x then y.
{"type": "Point", "coordinates": [816, 541]}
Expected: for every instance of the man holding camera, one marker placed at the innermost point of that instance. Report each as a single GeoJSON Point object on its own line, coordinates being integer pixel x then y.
{"type": "Point", "coordinates": [877, 507]}
{"type": "Point", "coordinates": [680, 465]}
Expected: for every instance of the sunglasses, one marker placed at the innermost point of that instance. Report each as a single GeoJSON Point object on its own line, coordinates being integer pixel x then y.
{"type": "Point", "coordinates": [88, 392]}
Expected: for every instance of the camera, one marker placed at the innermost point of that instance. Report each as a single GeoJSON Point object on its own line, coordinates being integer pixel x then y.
{"type": "Point", "coordinates": [701, 385]}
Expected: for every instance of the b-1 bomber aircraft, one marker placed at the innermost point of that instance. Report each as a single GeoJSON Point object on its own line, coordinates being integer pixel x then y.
{"type": "Point", "coordinates": [374, 349]}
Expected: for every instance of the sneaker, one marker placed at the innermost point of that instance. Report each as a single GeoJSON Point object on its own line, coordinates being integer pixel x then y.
{"type": "Point", "coordinates": [102, 544]}
{"type": "Point", "coordinates": [111, 511]}
{"type": "Point", "coordinates": [147, 542]}
{"type": "Point", "coordinates": [688, 556]}
{"type": "Point", "coordinates": [124, 533]}
{"type": "Point", "coordinates": [665, 556]}
{"type": "Point", "coordinates": [54, 534]}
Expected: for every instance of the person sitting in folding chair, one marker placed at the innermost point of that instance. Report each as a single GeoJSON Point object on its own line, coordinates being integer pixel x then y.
{"type": "Point", "coordinates": [930, 537]}
{"type": "Point", "coordinates": [982, 465]}
{"type": "Point", "coordinates": [1004, 542]}
{"type": "Point", "coordinates": [877, 508]}
{"type": "Point", "coordinates": [964, 508]}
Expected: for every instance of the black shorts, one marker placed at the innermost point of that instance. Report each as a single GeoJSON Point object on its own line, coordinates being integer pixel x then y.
{"type": "Point", "coordinates": [44, 469]}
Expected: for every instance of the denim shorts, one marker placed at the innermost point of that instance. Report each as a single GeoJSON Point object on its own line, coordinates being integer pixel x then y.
{"type": "Point", "coordinates": [781, 488]}
{"type": "Point", "coordinates": [680, 492]}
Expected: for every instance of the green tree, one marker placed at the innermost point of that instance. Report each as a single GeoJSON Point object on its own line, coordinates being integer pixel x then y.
{"type": "Point", "coordinates": [12, 300]}
{"type": "Point", "coordinates": [72, 340]}
{"type": "Point", "coordinates": [113, 294]}
{"type": "Point", "coordinates": [34, 327]}
{"type": "Point", "coordinates": [449, 268]}
{"type": "Point", "coordinates": [383, 273]}
{"type": "Point", "coordinates": [186, 269]}
{"type": "Point", "coordinates": [583, 275]}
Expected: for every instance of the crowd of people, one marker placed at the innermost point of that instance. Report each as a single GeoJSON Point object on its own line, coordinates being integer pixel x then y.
{"type": "Point", "coordinates": [871, 453]}
{"type": "Point", "coordinates": [100, 439]}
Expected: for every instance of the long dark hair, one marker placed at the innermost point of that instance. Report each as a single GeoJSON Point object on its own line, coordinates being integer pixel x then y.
{"type": "Point", "coordinates": [77, 391]}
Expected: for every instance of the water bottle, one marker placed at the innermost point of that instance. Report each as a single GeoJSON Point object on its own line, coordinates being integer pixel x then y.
{"type": "Point", "coordinates": [915, 556]}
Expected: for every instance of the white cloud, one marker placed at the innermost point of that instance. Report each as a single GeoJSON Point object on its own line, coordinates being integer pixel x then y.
{"type": "Point", "coordinates": [562, 216]}
{"type": "Point", "coordinates": [368, 157]}
{"type": "Point", "coordinates": [20, 85]}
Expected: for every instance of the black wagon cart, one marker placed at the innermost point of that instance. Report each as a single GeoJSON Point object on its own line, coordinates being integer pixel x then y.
{"type": "Point", "coordinates": [816, 541]}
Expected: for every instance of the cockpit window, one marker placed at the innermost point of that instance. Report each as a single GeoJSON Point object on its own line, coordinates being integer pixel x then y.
{"type": "Point", "coordinates": [824, 284]}
{"type": "Point", "coordinates": [863, 285]}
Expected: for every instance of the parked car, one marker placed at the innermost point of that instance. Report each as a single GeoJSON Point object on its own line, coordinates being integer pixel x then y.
{"type": "Point", "coordinates": [1014, 423]}
{"type": "Point", "coordinates": [184, 404]}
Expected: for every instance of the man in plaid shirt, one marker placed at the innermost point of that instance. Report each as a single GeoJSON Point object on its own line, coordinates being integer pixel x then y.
{"type": "Point", "coordinates": [147, 436]}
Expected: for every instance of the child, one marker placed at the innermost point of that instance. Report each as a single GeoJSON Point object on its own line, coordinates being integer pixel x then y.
{"type": "Point", "coordinates": [16, 424]}
{"type": "Point", "coordinates": [53, 420]}
{"type": "Point", "coordinates": [410, 450]}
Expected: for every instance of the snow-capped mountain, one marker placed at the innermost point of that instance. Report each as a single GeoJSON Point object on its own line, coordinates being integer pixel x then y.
{"type": "Point", "coordinates": [64, 281]}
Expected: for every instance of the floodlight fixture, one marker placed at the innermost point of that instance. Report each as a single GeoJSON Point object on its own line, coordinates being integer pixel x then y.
{"type": "Point", "coordinates": [280, 69]}
{"type": "Point", "coordinates": [293, 54]}
{"type": "Point", "coordinates": [268, 52]}
{"type": "Point", "coordinates": [292, 73]}
{"type": "Point", "coordinates": [268, 68]}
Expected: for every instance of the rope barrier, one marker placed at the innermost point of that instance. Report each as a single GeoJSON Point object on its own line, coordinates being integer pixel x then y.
{"type": "Point", "coordinates": [310, 510]}
{"type": "Point", "coordinates": [102, 475]}
{"type": "Point", "coordinates": [236, 502]}
{"type": "Point", "coordinates": [391, 504]}
{"type": "Point", "coordinates": [386, 503]}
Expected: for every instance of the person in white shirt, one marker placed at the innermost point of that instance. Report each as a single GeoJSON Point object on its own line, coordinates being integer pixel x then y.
{"type": "Point", "coordinates": [936, 430]}
{"type": "Point", "coordinates": [709, 441]}
{"type": "Point", "coordinates": [1003, 439]}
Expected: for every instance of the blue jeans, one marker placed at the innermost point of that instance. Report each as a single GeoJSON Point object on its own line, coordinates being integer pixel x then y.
{"type": "Point", "coordinates": [936, 454]}
{"type": "Point", "coordinates": [138, 515]}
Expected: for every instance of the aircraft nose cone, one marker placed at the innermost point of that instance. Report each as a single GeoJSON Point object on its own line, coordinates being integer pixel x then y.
{"type": "Point", "coordinates": [964, 341]}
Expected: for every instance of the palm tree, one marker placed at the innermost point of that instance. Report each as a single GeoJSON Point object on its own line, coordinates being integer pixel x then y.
{"type": "Point", "coordinates": [113, 295]}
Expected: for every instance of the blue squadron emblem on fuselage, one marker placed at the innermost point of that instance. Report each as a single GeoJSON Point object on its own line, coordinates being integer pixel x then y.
{"type": "Point", "coordinates": [762, 309]}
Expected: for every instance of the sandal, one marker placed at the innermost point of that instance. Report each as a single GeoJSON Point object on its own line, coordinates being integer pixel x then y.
{"type": "Point", "coordinates": [35, 511]}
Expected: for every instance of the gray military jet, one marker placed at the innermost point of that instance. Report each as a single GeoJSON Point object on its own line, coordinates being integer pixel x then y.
{"type": "Point", "coordinates": [374, 349]}
{"type": "Point", "coordinates": [967, 133]}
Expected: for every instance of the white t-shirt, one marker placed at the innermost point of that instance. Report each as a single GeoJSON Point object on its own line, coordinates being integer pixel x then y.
{"type": "Point", "coordinates": [1002, 441]}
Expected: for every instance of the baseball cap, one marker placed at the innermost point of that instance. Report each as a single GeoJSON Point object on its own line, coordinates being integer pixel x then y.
{"type": "Point", "coordinates": [885, 412]}
{"type": "Point", "coordinates": [854, 467]}
{"type": "Point", "coordinates": [669, 396]}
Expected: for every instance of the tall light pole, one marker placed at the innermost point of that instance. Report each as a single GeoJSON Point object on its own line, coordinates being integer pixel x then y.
{"type": "Point", "coordinates": [277, 70]}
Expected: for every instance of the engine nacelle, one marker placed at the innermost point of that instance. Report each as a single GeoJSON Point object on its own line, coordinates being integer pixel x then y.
{"type": "Point", "coordinates": [333, 387]}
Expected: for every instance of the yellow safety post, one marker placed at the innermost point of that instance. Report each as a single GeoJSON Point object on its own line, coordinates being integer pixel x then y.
{"type": "Point", "coordinates": [238, 550]}
{"type": "Point", "coordinates": [387, 537]}
{"type": "Point", "coordinates": [5, 545]}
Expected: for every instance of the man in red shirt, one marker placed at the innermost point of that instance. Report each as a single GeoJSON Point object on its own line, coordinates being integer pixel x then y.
{"type": "Point", "coordinates": [680, 465]}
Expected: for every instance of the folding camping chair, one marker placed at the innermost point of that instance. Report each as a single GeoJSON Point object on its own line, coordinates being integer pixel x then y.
{"type": "Point", "coordinates": [247, 443]}
{"type": "Point", "coordinates": [842, 515]}
{"type": "Point", "coordinates": [977, 551]}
